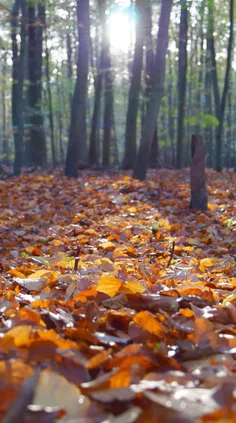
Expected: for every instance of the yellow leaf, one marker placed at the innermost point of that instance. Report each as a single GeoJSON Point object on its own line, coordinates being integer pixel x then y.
{"type": "Point", "coordinates": [43, 273]}
{"type": "Point", "coordinates": [109, 285]}
{"type": "Point", "coordinates": [229, 299]}
{"type": "Point", "coordinates": [209, 262]}
{"type": "Point", "coordinates": [134, 287]}
{"type": "Point", "coordinates": [163, 223]}
{"type": "Point", "coordinates": [146, 321]}
{"type": "Point", "coordinates": [18, 335]}
{"type": "Point", "coordinates": [132, 209]}
{"type": "Point", "coordinates": [108, 246]}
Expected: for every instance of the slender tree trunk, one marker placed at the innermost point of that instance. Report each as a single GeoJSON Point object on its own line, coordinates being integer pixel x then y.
{"type": "Point", "coordinates": [201, 66]}
{"type": "Point", "coordinates": [60, 121]}
{"type": "Point", "coordinates": [157, 84]}
{"type": "Point", "coordinates": [77, 147]}
{"type": "Point", "coordinates": [37, 139]}
{"type": "Point", "coordinates": [108, 117]}
{"type": "Point", "coordinates": [49, 94]}
{"type": "Point", "coordinates": [133, 101]}
{"type": "Point", "coordinates": [95, 124]}
{"type": "Point", "coordinates": [171, 127]}
{"type": "Point", "coordinates": [208, 103]}
{"type": "Point", "coordinates": [69, 62]}
{"type": "Point", "coordinates": [229, 131]}
{"type": "Point", "coordinates": [18, 69]}
{"type": "Point", "coordinates": [148, 41]}
{"type": "Point", "coordinates": [182, 76]}
{"type": "Point", "coordinates": [4, 116]}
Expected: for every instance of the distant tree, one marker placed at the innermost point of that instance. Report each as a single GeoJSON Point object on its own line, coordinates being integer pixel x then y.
{"type": "Point", "coordinates": [37, 140]}
{"type": "Point", "coordinates": [77, 147]}
{"type": "Point", "coordinates": [18, 72]}
{"type": "Point", "coordinates": [134, 91]}
{"type": "Point", "coordinates": [99, 79]}
{"type": "Point", "coordinates": [182, 77]}
{"type": "Point", "coordinates": [49, 94]}
{"type": "Point", "coordinates": [108, 113]}
{"type": "Point", "coordinates": [149, 56]}
{"type": "Point", "coordinates": [157, 84]}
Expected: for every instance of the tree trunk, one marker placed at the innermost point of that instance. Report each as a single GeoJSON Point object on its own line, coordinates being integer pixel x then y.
{"type": "Point", "coordinates": [182, 76]}
{"type": "Point", "coordinates": [108, 113]}
{"type": "Point", "coordinates": [49, 94]}
{"type": "Point", "coordinates": [208, 103]}
{"type": "Point", "coordinates": [18, 69]}
{"type": "Point", "coordinates": [171, 127]}
{"type": "Point", "coordinates": [95, 124]}
{"type": "Point", "coordinates": [133, 101]}
{"type": "Point", "coordinates": [197, 175]}
{"type": "Point", "coordinates": [69, 62]}
{"type": "Point", "coordinates": [157, 84]}
{"type": "Point", "coordinates": [37, 139]}
{"type": "Point", "coordinates": [229, 131]}
{"type": "Point", "coordinates": [108, 117]}
{"type": "Point", "coordinates": [60, 121]}
{"type": "Point", "coordinates": [4, 110]}
{"type": "Point", "coordinates": [77, 147]}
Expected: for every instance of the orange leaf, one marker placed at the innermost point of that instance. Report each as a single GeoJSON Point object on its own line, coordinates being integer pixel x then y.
{"type": "Point", "coordinates": [109, 285]}
{"type": "Point", "coordinates": [99, 359]}
{"type": "Point", "coordinates": [16, 337]}
{"type": "Point", "coordinates": [146, 321]}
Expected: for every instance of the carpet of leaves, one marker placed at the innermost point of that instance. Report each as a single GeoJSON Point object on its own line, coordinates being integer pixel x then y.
{"type": "Point", "coordinates": [118, 303]}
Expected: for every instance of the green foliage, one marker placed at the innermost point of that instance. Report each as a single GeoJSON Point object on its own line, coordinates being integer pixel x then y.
{"type": "Point", "coordinates": [202, 119]}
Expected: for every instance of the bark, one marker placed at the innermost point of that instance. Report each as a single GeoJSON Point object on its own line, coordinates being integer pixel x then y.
{"type": "Point", "coordinates": [197, 175]}
{"type": "Point", "coordinates": [157, 84]}
{"type": "Point", "coordinates": [182, 77]}
{"type": "Point", "coordinates": [37, 139]}
{"type": "Point", "coordinates": [134, 91]}
{"type": "Point", "coordinates": [77, 148]}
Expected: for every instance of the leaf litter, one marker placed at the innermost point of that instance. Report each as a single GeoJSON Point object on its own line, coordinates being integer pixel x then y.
{"type": "Point", "coordinates": [117, 305]}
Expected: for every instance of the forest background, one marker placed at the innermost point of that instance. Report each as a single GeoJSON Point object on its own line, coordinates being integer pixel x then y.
{"type": "Point", "coordinates": [83, 82]}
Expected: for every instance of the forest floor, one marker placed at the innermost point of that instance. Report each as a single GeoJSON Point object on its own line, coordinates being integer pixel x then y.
{"type": "Point", "coordinates": [118, 303]}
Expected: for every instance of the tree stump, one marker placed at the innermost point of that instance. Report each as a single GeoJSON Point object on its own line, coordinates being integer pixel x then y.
{"type": "Point", "coordinates": [197, 175]}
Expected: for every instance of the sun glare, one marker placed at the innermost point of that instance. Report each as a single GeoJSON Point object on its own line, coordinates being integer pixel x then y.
{"type": "Point", "coordinates": [121, 21]}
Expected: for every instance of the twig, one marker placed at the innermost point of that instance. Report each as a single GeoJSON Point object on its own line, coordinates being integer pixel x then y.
{"type": "Point", "coordinates": [171, 254]}
{"type": "Point", "coordinates": [77, 254]}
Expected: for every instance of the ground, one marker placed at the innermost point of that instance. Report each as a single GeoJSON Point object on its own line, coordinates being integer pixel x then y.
{"type": "Point", "coordinates": [118, 303]}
